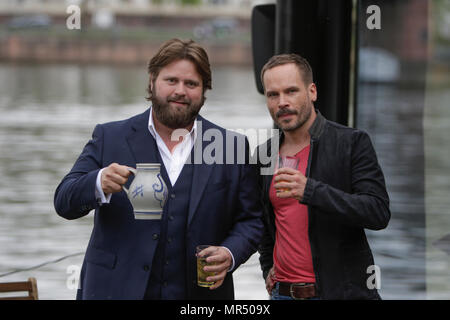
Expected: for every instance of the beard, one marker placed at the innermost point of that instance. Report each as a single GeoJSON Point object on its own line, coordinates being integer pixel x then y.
{"type": "Point", "coordinates": [175, 117]}
{"type": "Point", "coordinates": [303, 114]}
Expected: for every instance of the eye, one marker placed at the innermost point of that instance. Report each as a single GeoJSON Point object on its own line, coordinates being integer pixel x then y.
{"type": "Point", "coordinates": [191, 84]}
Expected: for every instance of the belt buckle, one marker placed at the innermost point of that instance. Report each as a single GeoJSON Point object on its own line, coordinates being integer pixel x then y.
{"type": "Point", "coordinates": [291, 290]}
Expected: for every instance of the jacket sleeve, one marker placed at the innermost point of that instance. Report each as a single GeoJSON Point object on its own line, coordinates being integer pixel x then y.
{"type": "Point", "coordinates": [267, 244]}
{"type": "Point", "coordinates": [75, 195]}
{"type": "Point", "coordinates": [245, 236]}
{"type": "Point", "coordinates": [367, 205]}
{"type": "Point", "coordinates": [266, 252]}
{"type": "Point", "coordinates": [265, 248]}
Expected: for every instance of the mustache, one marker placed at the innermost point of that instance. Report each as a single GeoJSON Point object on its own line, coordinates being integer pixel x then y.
{"type": "Point", "coordinates": [284, 112]}
{"type": "Point", "coordinates": [179, 99]}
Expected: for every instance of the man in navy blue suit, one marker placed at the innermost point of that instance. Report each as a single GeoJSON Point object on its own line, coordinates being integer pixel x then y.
{"type": "Point", "coordinates": [210, 202]}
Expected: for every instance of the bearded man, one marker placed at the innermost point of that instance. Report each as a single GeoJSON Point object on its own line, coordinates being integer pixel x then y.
{"type": "Point", "coordinates": [213, 204]}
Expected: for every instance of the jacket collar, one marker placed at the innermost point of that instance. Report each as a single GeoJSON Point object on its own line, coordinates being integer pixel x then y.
{"type": "Point", "coordinates": [316, 129]}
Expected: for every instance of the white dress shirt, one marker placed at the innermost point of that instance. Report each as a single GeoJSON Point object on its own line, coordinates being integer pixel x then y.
{"type": "Point", "coordinates": [175, 160]}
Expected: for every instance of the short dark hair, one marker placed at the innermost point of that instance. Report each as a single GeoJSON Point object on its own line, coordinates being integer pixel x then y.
{"type": "Point", "coordinates": [176, 49]}
{"type": "Point", "coordinates": [281, 59]}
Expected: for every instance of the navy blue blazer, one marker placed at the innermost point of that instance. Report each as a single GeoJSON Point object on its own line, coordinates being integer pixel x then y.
{"type": "Point", "coordinates": [224, 210]}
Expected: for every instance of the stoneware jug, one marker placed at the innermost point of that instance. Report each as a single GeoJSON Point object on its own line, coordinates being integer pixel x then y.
{"type": "Point", "coordinates": [147, 192]}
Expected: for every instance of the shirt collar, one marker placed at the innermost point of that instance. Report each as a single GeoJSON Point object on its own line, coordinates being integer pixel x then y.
{"type": "Point", "coordinates": [154, 133]}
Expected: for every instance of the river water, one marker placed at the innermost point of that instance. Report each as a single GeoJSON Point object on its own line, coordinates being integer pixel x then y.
{"type": "Point", "coordinates": [47, 114]}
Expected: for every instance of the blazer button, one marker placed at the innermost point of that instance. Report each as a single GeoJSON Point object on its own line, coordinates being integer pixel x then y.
{"type": "Point", "coordinates": [155, 236]}
{"type": "Point", "coordinates": [172, 196]}
{"type": "Point", "coordinates": [146, 268]}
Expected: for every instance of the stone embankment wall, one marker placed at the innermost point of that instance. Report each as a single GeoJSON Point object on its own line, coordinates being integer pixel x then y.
{"type": "Point", "coordinates": [41, 49]}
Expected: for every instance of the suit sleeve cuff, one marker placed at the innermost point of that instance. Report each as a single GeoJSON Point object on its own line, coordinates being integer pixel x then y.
{"type": "Point", "coordinates": [99, 194]}
{"type": "Point", "coordinates": [309, 191]}
{"type": "Point", "coordinates": [232, 257]}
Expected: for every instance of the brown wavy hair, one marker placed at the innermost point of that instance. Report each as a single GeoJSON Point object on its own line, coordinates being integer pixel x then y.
{"type": "Point", "coordinates": [174, 50]}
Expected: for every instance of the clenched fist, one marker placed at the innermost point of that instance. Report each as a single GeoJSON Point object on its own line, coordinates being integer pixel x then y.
{"type": "Point", "coordinates": [114, 177]}
{"type": "Point", "coordinates": [222, 260]}
{"type": "Point", "coordinates": [289, 183]}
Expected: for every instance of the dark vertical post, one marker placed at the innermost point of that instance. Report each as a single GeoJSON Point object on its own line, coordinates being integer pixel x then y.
{"type": "Point", "coordinates": [263, 38]}
{"type": "Point", "coordinates": [320, 31]}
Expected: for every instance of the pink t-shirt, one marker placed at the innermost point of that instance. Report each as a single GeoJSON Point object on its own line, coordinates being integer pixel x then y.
{"type": "Point", "coordinates": [292, 252]}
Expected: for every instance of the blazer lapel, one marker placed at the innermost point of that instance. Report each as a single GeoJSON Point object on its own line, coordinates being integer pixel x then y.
{"type": "Point", "coordinates": [142, 144]}
{"type": "Point", "coordinates": [202, 171]}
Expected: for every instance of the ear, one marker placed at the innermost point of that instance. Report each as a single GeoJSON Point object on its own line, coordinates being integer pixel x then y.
{"type": "Point", "coordinates": [312, 90]}
{"type": "Point", "coordinates": [150, 83]}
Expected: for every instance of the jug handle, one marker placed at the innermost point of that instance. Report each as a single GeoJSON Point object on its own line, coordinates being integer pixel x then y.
{"type": "Point", "coordinates": [134, 172]}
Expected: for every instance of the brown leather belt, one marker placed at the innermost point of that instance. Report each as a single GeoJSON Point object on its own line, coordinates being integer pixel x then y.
{"type": "Point", "coordinates": [297, 290]}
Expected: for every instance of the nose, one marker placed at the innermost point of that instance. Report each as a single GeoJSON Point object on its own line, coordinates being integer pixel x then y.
{"type": "Point", "coordinates": [180, 89]}
{"type": "Point", "coordinates": [282, 101]}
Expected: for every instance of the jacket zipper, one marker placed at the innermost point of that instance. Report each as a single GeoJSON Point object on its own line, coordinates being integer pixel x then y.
{"type": "Point", "coordinates": [308, 171]}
